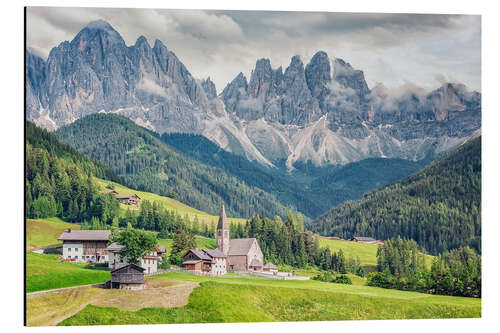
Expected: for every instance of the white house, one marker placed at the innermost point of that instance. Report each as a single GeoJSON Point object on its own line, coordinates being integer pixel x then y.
{"type": "Point", "coordinates": [149, 262]}
{"type": "Point", "coordinates": [85, 245]}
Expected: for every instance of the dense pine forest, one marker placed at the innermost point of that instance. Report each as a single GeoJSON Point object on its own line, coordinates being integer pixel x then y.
{"type": "Point", "coordinates": [59, 181]}
{"type": "Point", "coordinates": [401, 265]}
{"type": "Point", "coordinates": [438, 207]}
{"type": "Point", "coordinates": [312, 190]}
{"type": "Point", "coordinates": [148, 164]}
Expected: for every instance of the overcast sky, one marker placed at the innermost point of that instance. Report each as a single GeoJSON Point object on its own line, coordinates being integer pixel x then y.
{"type": "Point", "coordinates": [393, 49]}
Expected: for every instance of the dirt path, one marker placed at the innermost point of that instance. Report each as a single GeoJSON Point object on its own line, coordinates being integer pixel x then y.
{"type": "Point", "coordinates": [50, 307]}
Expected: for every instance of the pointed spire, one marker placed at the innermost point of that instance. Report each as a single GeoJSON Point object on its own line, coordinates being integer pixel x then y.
{"type": "Point", "coordinates": [222, 219]}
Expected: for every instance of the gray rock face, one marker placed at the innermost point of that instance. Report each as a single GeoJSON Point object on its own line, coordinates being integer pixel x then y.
{"type": "Point", "coordinates": [97, 72]}
{"type": "Point", "coordinates": [322, 112]}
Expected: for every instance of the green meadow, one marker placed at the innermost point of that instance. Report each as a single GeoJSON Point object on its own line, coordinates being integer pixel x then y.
{"type": "Point", "coordinates": [230, 299]}
{"type": "Point", "coordinates": [169, 203]}
{"type": "Point", "coordinates": [44, 232]}
{"type": "Point", "coordinates": [44, 272]}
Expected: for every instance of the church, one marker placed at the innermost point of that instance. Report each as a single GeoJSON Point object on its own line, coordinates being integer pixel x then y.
{"type": "Point", "coordinates": [243, 254]}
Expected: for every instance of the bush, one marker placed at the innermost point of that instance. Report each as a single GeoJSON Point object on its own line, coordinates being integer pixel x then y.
{"type": "Point", "coordinates": [344, 279]}
{"type": "Point", "coordinates": [164, 263]}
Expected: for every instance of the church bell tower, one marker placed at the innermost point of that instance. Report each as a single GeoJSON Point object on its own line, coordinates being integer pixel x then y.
{"type": "Point", "coordinates": [223, 232]}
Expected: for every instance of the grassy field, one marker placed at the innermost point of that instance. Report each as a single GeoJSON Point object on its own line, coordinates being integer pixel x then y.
{"type": "Point", "coordinates": [367, 253]}
{"type": "Point", "coordinates": [44, 232]}
{"type": "Point", "coordinates": [169, 203]}
{"type": "Point", "coordinates": [250, 300]}
{"type": "Point", "coordinates": [201, 243]}
{"type": "Point", "coordinates": [44, 272]}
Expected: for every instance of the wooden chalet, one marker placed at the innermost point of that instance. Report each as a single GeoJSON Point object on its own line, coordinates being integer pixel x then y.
{"type": "Point", "coordinates": [369, 240]}
{"type": "Point", "coordinates": [128, 199]}
{"type": "Point", "coordinates": [129, 277]}
{"type": "Point", "coordinates": [205, 262]}
{"type": "Point", "coordinates": [85, 245]}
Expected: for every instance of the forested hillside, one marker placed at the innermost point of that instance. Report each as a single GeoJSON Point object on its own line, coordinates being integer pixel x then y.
{"type": "Point", "coordinates": [438, 207]}
{"type": "Point", "coordinates": [312, 190]}
{"type": "Point", "coordinates": [59, 180]}
{"type": "Point", "coordinates": [147, 164]}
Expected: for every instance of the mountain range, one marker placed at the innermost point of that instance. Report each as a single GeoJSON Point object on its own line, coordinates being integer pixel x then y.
{"type": "Point", "coordinates": [322, 113]}
{"type": "Point", "coordinates": [439, 207]}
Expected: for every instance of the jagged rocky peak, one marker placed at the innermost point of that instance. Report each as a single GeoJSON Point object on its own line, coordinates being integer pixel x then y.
{"type": "Point", "coordinates": [261, 79]}
{"type": "Point", "coordinates": [349, 77]}
{"type": "Point", "coordinates": [98, 31]}
{"type": "Point", "coordinates": [234, 90]}
{"type": "Point", "coordinates": [318, 75]}
{"type": "Point", "coordinates": [209, 88]}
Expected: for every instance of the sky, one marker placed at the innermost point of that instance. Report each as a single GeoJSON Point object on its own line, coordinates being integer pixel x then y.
{"type": "Point", "coordinates": [394, 49]}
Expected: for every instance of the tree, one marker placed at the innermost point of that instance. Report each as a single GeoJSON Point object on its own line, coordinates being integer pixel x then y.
{"type": "Point", "coordinates": [179, 246]}
{"type": "Point", "coordinates": [137, 243]}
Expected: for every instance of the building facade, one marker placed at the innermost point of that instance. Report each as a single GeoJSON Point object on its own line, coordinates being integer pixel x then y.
{"type": "Point", "coordinates": [129, 277]}
{"type": "Point", "coordinates": [243, 254]}
{"type": "Point", "coordinates": [205, 262]}
{"type": "Point", "coordinates": [85, 245]}
{"type": "Point", "coordinates": [149, 262]}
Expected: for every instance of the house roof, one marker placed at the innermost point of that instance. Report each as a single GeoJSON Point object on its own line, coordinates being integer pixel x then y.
{"type": "Point", "coordinates": [255, 262]}
{"type": "Point", "coordinates": [365, 239]}
{"type": "Point", "coordinates": [90, 235]}
{"type": "Point", "coordinates": [125, 196]}
{"type": "Point", "coordinates": [199, 254]}
{"type": "Point", "coordinates": [215, 253]}
{"type": "Point", "coordinates": [240, 246]}
{"type": "Point", "coordinates": [270, 265]}
{"type": "Point", "coordinates": [160, 248]}
{"type": "Point", "coordinates": [115, 247]}
{"type": "Point", "coordinates": [134, 266]}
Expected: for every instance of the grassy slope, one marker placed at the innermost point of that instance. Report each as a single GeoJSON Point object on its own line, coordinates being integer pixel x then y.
{"type": "Point", "coordinates": [44, 232]}
{"type": "Point", "coordinates": [169, 203]}
{"type": "Point", "coordinates": [248, 300]}
{"type": "Point", "coordinates": [201, 243]}
{"type": "Point", "coordinates": [44, 272]}
{"type": "Point", "coordinates": [367, 253]}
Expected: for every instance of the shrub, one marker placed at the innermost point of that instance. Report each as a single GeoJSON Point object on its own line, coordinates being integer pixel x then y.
{"type": "Point", "coordinates": [344, 279]}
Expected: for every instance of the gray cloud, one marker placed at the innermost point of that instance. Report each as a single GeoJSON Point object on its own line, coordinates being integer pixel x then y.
{"type": "Point", "coordinates": [389, 48]}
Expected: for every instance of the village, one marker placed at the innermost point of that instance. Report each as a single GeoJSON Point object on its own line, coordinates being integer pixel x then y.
{"type": "Point", "coordinates": [241, 255]}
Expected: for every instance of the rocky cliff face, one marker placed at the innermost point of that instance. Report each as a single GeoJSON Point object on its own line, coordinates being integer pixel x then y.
{"type": "Point", "coordinates": [323, 111]}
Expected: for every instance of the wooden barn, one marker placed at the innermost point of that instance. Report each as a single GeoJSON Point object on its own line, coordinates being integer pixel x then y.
{"type": "Point", "coordinates": [128, 199]}
{"type": "Point", "coordinates": [129, 277]}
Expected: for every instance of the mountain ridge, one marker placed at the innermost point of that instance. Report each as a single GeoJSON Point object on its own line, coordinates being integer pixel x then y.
{"type": "Point", "coordinates": [322, 111]}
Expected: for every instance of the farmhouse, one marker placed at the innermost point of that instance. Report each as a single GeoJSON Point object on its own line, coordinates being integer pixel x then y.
{"type": "Point", "coordinates": [369, 240]}
{"type": "Point", "coordinates": [149, 262]}
{"type": "Point", "coordinates": [129, 277]}
{"type": "Point", "coordinates": [205, 262]}
{"type": "Point", "coordinates": [243, 254]}
{"type": "Point", "coordinates": [85, 245]}
{"type": "Point", "coordinates": [128, 199]}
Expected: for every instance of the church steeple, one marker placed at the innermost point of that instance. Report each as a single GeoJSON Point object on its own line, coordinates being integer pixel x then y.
{"type": "Point", "coordinates": [223, 232]}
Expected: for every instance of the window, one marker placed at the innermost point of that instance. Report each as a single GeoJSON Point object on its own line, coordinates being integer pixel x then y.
{"type": "Point", "coordinates": [69, 249]}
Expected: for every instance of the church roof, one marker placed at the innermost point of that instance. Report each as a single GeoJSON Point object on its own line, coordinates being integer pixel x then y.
{"type": "Point", "coordinates": [223, 224]}
{"type": "Point", "coordinates": [215, 253]}
{"type": "Point", "coordinates": [240, 246]}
